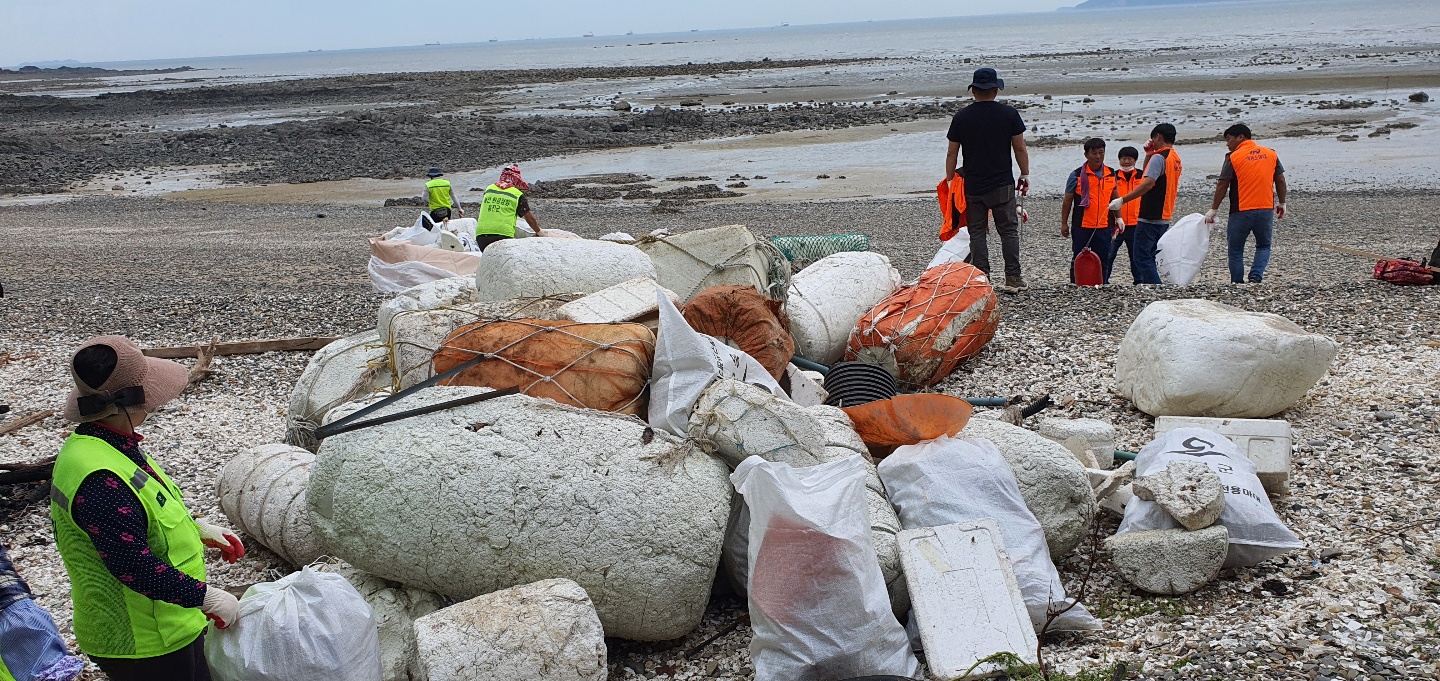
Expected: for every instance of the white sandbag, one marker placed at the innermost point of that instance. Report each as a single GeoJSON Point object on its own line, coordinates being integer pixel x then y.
{"type": "Point", "coordinates": [534, 268]}
{"type": "Point", "coordinates": [337, 373]}
{"type": "Point", "coordinates": [307, 625]}
{"type": "Point", "coordinates": [830, 296]}
{"type": "Point", "coordinates": [1182, 249]}
{"type": "Point", "coordinates": [1256, 532]}
{"type": "Point", "coordinates": [415, 335]}
{"type": "Point", "coordinates": [395, 277]}
{"type": "Point", "coordinates": [957, 249]}
{"type": "Point", "coordinates": [686, 363]}
{"type": "Point", "coordinates": [432, 295]}
{"type": "Point", "coordinates": [623, 302]}
{"type": "Point", "coordinates": [691, 262]}
{"type": "Point", "coordinates": [949, 480]}
{"type": "Point", "coordinates": [1202, 358]}
{"type": "Point", "coordinates": [262, 492]}
{"type": "Point", "coordinates": [513, 490]}
{"type": "Point", "coordinates": [395, 609]}
{"type": "Point", "coordinates": [817, 600]}
{"type": "Point", "coordinates": [735, 420]}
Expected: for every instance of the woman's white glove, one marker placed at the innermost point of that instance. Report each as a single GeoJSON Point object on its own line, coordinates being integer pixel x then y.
{"type": "Point", "coordinates": [216, 537]}
{"type": "Point", "coordinates": [220, 606]}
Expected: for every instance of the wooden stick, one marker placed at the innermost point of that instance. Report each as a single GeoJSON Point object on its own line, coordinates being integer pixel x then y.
{"type": "Point", "coordinates": [16, 473]}
{"type": "Point", "coordinates": [1364, 254]}
{"type": "Point", "coordinates": [202, 364]}
{"type": "Point", "coordinates": [245, 347]}
{"type": "Point", "coordinates": [29, 419]}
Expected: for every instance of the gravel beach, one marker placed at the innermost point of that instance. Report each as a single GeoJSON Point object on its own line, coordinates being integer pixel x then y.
{"type": "Point", "coordinates": [1359, 602]}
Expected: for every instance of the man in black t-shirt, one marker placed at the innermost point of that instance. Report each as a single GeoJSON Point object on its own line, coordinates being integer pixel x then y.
{"type": "Point", "coordinates": [987, 132]}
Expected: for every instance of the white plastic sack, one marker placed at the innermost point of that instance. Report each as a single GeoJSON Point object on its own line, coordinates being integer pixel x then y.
{"type": "Point", "coordinates": [686, 363]}
{"type": "Point", "coordinates": [1256, 532]}
{"type": "Point", "coordinates": [307, 625]}
{"type": "Point", "coordinates": [817, 599]}
{"type": "Point", "coordinates": [396, 277]}
{"type": "Point", "coordinates": [1182, 248]}
{"type": "Point", "coordinates": [957, 249]}
{"type": "Point", "coordinates": [950, 480]}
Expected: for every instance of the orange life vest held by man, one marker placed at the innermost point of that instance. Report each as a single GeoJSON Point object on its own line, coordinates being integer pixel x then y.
{"type": "Point", "coordinates": [1158, 204]}
{"type": "Point", "coordinates": [1254, 185]}
{"type": "Point", "coordinates": [952, 206]}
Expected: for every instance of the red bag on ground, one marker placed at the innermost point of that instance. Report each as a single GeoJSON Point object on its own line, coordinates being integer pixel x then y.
{"type": "Point", "coordinates": [923, 331]}
{"type": "Point", "coordinates": [1088, 269]}
{"type": "Point", "coordinates": [747, 320]}
{"type": "Point", "coordinates": [1404, 272]}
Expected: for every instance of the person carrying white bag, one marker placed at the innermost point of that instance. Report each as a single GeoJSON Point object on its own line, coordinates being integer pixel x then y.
{"type": "Point", "coordinates": [817, 598]}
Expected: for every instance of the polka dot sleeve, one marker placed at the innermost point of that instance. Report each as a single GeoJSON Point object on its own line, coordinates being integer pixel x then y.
{"type": "Point", "coordinates": [109, 512]}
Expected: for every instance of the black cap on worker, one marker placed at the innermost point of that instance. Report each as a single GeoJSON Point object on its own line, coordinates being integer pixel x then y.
{"type": "Point", "coordinates": [986, 79]}
{"type": "Point", "coordinates": [434, 172]}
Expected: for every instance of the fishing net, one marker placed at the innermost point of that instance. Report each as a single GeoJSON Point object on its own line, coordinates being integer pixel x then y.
{"type": "Point", "coordinates": [804, 249]}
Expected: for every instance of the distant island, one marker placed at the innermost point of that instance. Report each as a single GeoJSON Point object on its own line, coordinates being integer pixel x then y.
{"type": "Point", "coordinates": [1114, 4]}
{"type": "Point", "coordinates": [32, 70]}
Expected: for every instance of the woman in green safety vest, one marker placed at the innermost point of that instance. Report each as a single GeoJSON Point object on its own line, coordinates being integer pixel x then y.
{"type": "Point", "coordinates": [503, 203]}
{"type": "Point", "coordinates": [134, 554]}
{"type": "Point", "coordinates": [440, 198]}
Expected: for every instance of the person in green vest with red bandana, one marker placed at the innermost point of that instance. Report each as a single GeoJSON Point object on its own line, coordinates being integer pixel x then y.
{"type": "Point", "coordinates": [134, 554]}
{"type": "Point", "coordinates": [502, 204]}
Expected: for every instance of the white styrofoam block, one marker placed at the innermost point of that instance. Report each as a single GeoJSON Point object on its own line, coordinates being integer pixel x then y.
{"type": "Point", "coordinates": [619, 303]}
{"type": "Point", "coordinates": [804, 389]}
{"type": "Point", "coordinates": [966, 601]}
{"type": "Point", "coordinates": [1266, 441]}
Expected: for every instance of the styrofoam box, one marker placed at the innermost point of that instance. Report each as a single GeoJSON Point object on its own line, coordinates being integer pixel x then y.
{"type": "Point", "coordinates": [1266, 441]}
{"type": "Point", "coordinates": [966, 601]}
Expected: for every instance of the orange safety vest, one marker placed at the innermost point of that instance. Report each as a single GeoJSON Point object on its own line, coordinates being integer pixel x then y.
{"type": "Point", "coordinates": [1254, 185]}
{"type": "Point", "coordinates": [1127, 181]}
{"type": "Point", "coordinates": [952, 206]}
{"type": "Point", "coordinates": [1097, 214]}
{"type": "Point", "coordinates": [1158, 204]}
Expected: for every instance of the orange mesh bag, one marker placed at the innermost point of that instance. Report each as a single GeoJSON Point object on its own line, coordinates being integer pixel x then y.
{"type": "Point", "coordinates": [747, 320]}
{"type": "Point", "coordinates": [597, 366]}
{"type": "Point", "coordinates": [926, 329]}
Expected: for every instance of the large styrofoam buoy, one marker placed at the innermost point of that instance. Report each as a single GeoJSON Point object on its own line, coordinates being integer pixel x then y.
{"type": "Point", "coordinates": [262, 491]}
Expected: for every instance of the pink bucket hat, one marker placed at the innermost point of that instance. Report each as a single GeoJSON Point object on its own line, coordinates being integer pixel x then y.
{"type": "Point", "coordinates": [137, 381]}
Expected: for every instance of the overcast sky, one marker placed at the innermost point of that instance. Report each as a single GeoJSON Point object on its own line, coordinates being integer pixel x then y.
{"type": "Point", "coordinates": [125, 30]}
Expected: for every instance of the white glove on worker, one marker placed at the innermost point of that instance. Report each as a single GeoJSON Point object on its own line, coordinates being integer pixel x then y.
{"type": "Point", "coordinates": [1119, 226]}
{"type": "Point", "coordinates": [216, 537]}
{"type": "Point", "coordinates": [1280, 210]}
{"type": "Point", "coordinates": [1210, 216]}
{"type": "Point", "coordinates": [220, 606]}
{"type": "Point", "coordinates": [1117, 204]}
{"type": "Point", "coordinates": [1023, 184]}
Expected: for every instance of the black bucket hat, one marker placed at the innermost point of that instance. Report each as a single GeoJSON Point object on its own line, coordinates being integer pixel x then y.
{"type": "Point", "coordinates": [434, 172]}
{"type": "Point", "coordinates": [986, 79]}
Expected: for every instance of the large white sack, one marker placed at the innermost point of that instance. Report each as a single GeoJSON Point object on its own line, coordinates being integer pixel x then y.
{"type": "Point", "coordinates": [307, 625]}
{"type": "Point", "coordinates": [396, 277]}
{"type": "Point", "coordinates": [686, 363]}
{"type": "Point", "coordinates": [395, 609]}
{"type": "Point", "coordinates": [690, 262]}
{"type": "Point", "coordinates": [342, 371]}
{"type": "Point", "coordinates": [817, 601]}
{"type": "Point", "coordinates": [1182, 249]}
{"type": "Point", "coordinates": [735, 420]}
{"type": "Point", "coordinates": [957, 249]}
{"type": "Point", "coordinates": [513, 490]}
{"type": "Point", "coordinates": [1256, 532]}
{"type": "Point", "coordinates": [534, 268]}
{"type": "Point", "coordinates": [1052, 481]}
{"type": "Point", "coordinates": [830, 296]}
{"type": "Point", "coordinates": [1202, 358]}
{"type": "Point", "coordinates": [262, 491]}
{"type": "Point", "coordinates": [949, 480]}
{"type": "Point", "coordinates": [432, 295]}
